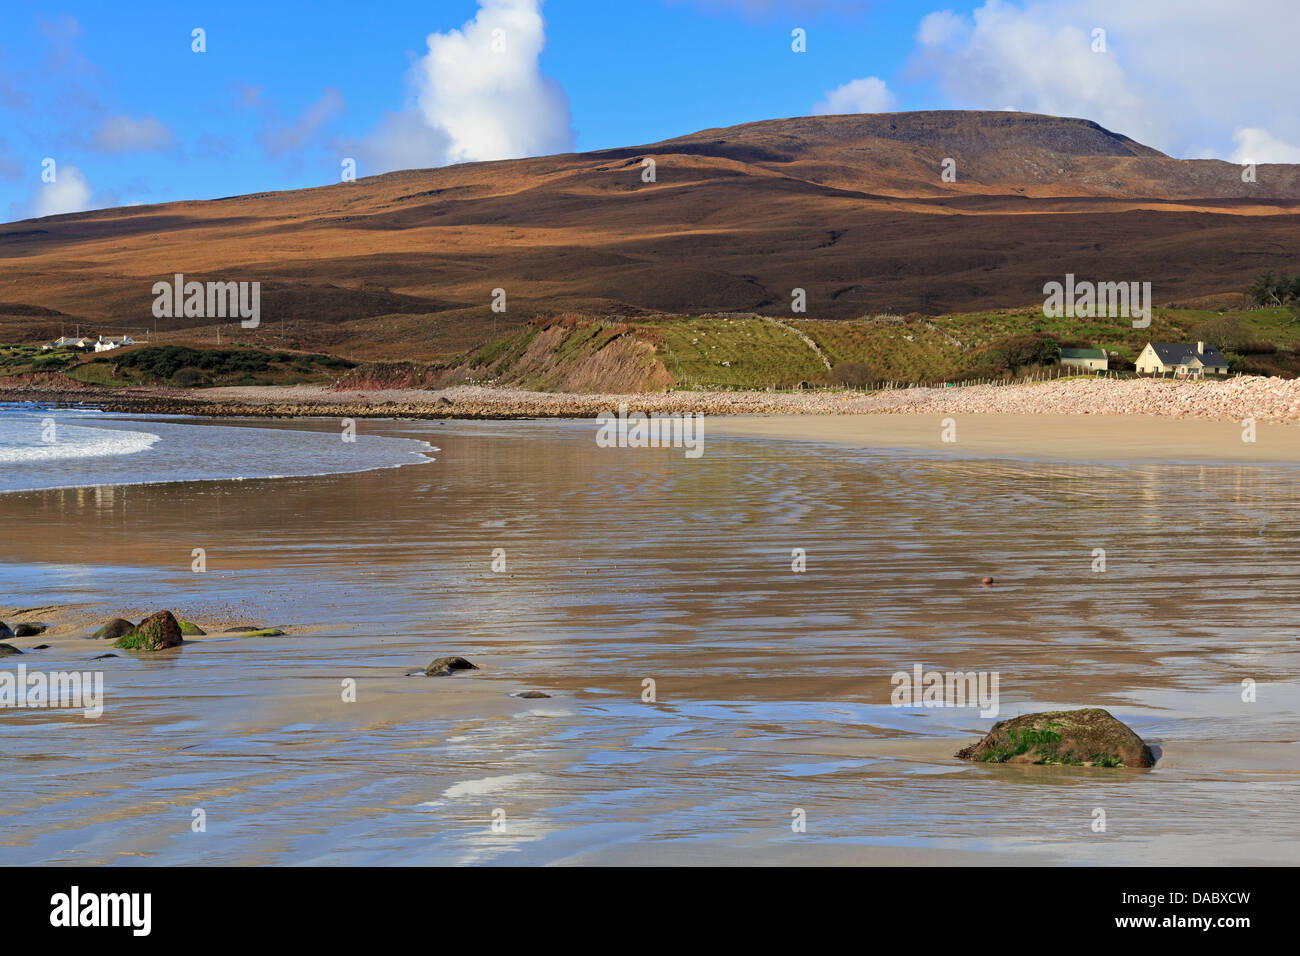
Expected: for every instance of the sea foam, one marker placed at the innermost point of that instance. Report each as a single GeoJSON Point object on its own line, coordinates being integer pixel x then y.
{"type": "Point", "coordinates": [29, 440]}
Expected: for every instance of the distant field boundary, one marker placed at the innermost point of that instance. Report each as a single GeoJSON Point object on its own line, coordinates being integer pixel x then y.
{"type": "Point", "coordinates": [803, 337]}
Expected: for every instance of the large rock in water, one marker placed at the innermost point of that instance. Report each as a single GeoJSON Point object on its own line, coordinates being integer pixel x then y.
{"type": "Point", "coordinates": [155, 632]}
{"type": "Point", "coordinates": [114, 629]}
{"type": "Point", "coordinates": [7, 649]}
{"type": "Point", "coordinates": [1089, 738]}
{"type": "Point", "coordinates": [5, 633]}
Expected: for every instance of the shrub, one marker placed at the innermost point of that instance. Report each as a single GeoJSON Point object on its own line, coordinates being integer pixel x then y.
{"type": "Point", "coordinates": [1257, 348]}
{"type": "Point", "coordinates": [853, 374]}
{"type": "Point", "coordinates": [1225, 331]}
{"type": "Point", "coordinates": [164, 361]}
{"type": "Point", "coordinates": [1005, 355]}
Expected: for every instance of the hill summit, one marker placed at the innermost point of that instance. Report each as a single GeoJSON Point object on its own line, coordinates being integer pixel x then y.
{"type": "Point", "coordinates": [932, 212]}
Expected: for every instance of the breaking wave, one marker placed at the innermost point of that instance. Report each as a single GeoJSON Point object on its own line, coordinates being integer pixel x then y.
{"type": "Point", "coordinates": [32, 439]}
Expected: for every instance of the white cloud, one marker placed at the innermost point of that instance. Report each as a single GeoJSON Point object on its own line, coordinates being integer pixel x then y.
{"type": "Point", "coordinates": [867, 95]}
{"type": "Point", "coordinates": [491, 100]}
{"type": "Point", "coordinates": [480, 95]}
{"type": "Point", "coordinates": [125, 134]}
{"type": "Point", "coordinates": [1260, 146]}
{"type": "Point", "coordinates": [939, 27]}
{"type": "Point", "coordinates": [1035, 58]}
{"type": "Point", "coordinates": [402, 141]}
{"type": "Point", "coordinates": [277, 138]}
{"type": "Point", "coordinates": [1176, 74]}
{"type": "Point", "coordinates": [70, 192]}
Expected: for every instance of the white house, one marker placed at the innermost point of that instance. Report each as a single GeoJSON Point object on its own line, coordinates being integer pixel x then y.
{"type": "Point", "coordinates": [1181, 359]}
{"type": "Point", "coordinates": [70, 342]}
{"type": "Point", "coordinates": [1094, 360]}
{"type": "Point", "coordinates": [107, 343]}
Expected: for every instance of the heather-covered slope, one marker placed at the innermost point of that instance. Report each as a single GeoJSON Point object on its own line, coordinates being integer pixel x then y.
{"type": "Point", "coordinates": [852, 209]}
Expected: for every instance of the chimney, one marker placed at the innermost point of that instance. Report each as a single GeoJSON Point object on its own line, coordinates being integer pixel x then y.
{"type": "Point", "coordinates": [1200, 348]}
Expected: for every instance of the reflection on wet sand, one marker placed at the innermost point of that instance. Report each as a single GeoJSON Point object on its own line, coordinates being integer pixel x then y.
{"type": "Point", "coordinates": [622, 565]}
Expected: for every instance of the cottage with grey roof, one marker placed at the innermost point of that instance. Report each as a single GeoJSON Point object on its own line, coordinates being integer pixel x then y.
{"type": "Point", "coordinates": [107, 343]}
{"type": "Point", "coordinates": [1181, 359]}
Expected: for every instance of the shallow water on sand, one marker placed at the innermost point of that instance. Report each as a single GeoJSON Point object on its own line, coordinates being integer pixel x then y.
{"type": "Point", "coordinates": [62, 448]}
{"type": "Point", "coordinates": [622, 565]}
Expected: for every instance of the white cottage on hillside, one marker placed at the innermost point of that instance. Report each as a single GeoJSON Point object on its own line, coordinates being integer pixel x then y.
{"type": "Point", "coordinates": [1181, 359]}
{"type": "Point", "coordinates": [107, 343]}
{"type": "Point", "coordinates": [69, 342]}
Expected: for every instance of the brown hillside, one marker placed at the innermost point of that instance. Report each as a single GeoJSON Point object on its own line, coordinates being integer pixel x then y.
{"type": "Point", "coordinates": [850, 208]}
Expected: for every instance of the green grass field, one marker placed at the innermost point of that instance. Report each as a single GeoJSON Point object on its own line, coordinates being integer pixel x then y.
{"type": "Point", "coordinates": [1278, 326]}
{"type": "Point", "coordinates": [752, 352]}
{"type": "Point", "coordinates": [727, 351]}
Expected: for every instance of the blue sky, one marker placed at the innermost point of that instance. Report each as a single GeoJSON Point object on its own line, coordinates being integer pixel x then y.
{"type": "Point", "coordinates": [284, 92]}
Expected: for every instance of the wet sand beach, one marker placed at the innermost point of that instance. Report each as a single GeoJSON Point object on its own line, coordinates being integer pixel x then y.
{"type": "Point", "coordinates": [772, 686]}
{"type": "Point", "coordinates": [1092, 438]}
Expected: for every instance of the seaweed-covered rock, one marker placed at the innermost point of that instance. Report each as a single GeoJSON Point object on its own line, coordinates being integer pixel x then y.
{"type": "Point", "coordinates": [259, 632]}
{"type": "Point", "coordinates": [114, 629]}
{"type": "Point", "coordinates": [1089, 738]}
{"type": "Point", "coordinates": [190, 629]}
{"type": "Point", "coordinates": [446, 666]}
{"type": "Point", "coordinates": [154, 633]}
{"type": "Point", "coordinates": [7, 649]}
{"type": "Point", "coordinates": [28, 630]}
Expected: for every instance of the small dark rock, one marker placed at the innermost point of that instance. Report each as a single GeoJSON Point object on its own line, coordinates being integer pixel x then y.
{"type": "Point", "coordinates": [114, 629]}
{"type": "Point", "coordinates": [40, 647]}
{"type": "Point", "coordinates": [446, 666]}
{"type": "Point", "coordinates": [102, 656]}
{"type": "Point", "coordinates": [532, 695]}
